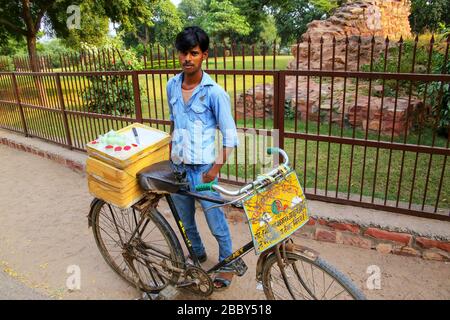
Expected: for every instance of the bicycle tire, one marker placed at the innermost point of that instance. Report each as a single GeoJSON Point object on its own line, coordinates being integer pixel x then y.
{"type": "Point", "coordinates": [307, 290]}
{"type": "Point", "coordinates": [174, 254]}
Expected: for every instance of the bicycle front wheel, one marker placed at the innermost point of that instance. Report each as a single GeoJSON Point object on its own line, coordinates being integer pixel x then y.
{"type": "Point", "coordinates": [306, 279]}
{"type": "Point", "coordinates": [141, 249]}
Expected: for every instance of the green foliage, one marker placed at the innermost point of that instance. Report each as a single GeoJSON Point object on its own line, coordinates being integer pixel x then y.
{"type": "Point", "coordinates": [444, 31]}
{"type": "Point", "coordinates": [192, 12]}
{"type": "Point", "coordinates": [112, 94]}
{"type": "Point", "coordinates": [10, 46]}
{"type": "Point", "coordinates": [292, 17]}
{"type": "Point", "coordinates": [54, 49]}
{"type": "Point", "coordinates": [422, 56]}
{"type": "Point", "coordinates": [289, 112]}
{"type": "Point", "coordinates": [269, 32]}
{"type": "Point", "coordinates": [165, 24]}
{"type": "Point", "coordinates": [326, 6]}
{"type": "Point", "coordinates": [94, 27]}
{"type": "Point", "coordinates": [428, 14]}
{"type": "Point", "coordinates": [6, 63]}
{"type": "Point", "coordinates": [24, 18]}
{"type": "Point", "coordinates": [438, 96]}
{"type": "Point", "coordinates": [223, 21]}
{"type": "Point", "coordinates": [127, 58]}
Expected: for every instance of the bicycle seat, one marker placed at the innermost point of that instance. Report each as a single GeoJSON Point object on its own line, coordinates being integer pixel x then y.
{"type": "Point", "coordinates": [159, 177]}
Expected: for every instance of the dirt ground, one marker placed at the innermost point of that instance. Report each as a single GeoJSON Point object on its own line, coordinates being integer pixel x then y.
{"type": "Point", "coordinates": [44, 231]}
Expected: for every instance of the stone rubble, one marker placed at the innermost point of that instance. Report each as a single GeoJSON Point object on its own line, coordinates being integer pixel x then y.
{"type": "Point", "coordinates": [354, 35]}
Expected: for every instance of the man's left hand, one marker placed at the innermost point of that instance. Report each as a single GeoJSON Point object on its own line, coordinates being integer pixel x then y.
{"type": "Point", "coordinates": [209, 176]}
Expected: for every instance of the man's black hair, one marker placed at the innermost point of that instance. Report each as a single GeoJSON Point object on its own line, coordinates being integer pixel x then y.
{"type": "Point", "coordinates": [191, 37]}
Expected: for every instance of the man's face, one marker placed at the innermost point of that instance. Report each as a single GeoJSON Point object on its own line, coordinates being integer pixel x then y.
{"type": "Point", "coordinates": [191, 60]}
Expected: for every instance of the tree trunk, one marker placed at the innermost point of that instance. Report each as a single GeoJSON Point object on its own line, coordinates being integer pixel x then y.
{"type": "Point", "coordinates": [32, 53]}
{"type": "Point", "coordinates": [36, 67]}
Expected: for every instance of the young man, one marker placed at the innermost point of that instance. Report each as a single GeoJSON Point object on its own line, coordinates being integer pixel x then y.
{"type": "Point", "coordinates": [198, 106]}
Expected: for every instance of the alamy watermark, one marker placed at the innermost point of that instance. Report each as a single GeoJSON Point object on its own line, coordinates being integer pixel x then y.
{"type": "Point", "coordinates": [73, 282]}
{"type": "Point", "coordinates": [251, 149]}
{"type": "Point", "coordinates": [374, 280]}
{"type": "Point", "coordinates": [74, 19]}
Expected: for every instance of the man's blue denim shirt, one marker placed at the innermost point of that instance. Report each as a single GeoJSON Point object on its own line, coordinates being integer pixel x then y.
{"type": "Point", "coordinates": [193, 140]}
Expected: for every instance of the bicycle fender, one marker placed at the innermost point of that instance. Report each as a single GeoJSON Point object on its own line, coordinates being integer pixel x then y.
{"type": "Point", "coordinates": [290, 247]}
{"type": "Point", "coordinates": [260, 264]}
{"type": "Point", "coordinates": [89, 216]}
{"type": "Point", "coordinates": [302, 250]}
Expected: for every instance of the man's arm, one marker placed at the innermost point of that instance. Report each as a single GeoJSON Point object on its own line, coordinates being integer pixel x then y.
{"type": "Point", "coordinates": [222, 110]}
{"type": "Point", "coordinates": [220, 161]}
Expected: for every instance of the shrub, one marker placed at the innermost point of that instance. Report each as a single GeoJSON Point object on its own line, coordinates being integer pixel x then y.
{"type": "Point", "coordinates": [438, 97]}
{"type": "Point", "coordinates": [406, 63]}
{"type": "Point", "coordinates": [112, 94]}
{"type": "Point", "coordinates": [6, 64]}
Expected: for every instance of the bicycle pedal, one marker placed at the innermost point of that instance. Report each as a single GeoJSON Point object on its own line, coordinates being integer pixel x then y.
{"type": "Point", "coordinates": [240, 267]}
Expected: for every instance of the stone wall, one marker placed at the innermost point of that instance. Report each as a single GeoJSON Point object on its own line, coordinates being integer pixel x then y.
{"type": "Point", "coordinates": [365, 18]}
{"type": "Point", "coordinates": [359, 20]}
{"type": "Point", "coordinates": [359, 29]}
{"type": "Point", "coordinates": [389, 116]}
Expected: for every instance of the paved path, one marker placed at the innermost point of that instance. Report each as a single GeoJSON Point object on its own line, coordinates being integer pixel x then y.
{"type": "Point", "coordinates": [11, 289]}
{"type": "Point", "coordinates": [44, 232]}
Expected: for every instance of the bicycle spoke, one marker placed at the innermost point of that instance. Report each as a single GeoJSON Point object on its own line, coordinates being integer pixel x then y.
{"type": "Point", "coordinates": [314, 284]}
{"type": "Point", "coordinates": [324, 295]}
{"type": "Point", "coordinates": [301, 280]}
{"type": "Point", "coordinates": [338, 294]}
{"type": "Point", "coordinates": [282, 284]}
{"type": "Point", "coordinates": [137, 246]}
{"type": "Point", "coordinates": [305, 282]}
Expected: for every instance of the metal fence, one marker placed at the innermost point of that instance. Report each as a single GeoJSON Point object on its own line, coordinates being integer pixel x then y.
{"type": "Point", "coordinates": [356, 116]}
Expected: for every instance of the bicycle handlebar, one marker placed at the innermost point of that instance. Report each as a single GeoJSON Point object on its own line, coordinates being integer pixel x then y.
{"type": "Point", "coordinates": [205, 186]}
{"type": "Point", "coordinates": [213, 186]}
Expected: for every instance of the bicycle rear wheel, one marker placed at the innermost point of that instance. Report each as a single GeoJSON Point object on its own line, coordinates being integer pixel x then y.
{"type": "Point", "coordinates": [306, 280]}
{"type": "Point", "coordinates": [155, 240]}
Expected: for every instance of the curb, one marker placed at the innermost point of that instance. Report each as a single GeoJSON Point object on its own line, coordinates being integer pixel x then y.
{"type": "Point", "coordinates": [74, 165]}
{"type": "Point", "coordinates": [327, 230]}
{"type": "Point", "coordinates": [366, 237]}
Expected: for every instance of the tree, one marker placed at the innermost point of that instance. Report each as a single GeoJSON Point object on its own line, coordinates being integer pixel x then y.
{"type": "Point", "coordinates": [427, 14]}
{"type": "Point", "coordinates": [326, 6]}
{"type": "Point", "coordinates": [192, 12]}
{"type": "Point", "coordinates": [292, 17]}
{"type": "Point", "coordinates": [256, 12]}
{"type": "Point", "coordinates": [25, 17]}
{"type": "Point", "coordinates": [224, 21]}
{"type": "Point", "coordinates": [94, 27]}
{"type": "Point", "coordinates": [166, 23]}
{"type": "Point", "coordinates": [269, 33]}
{"type": "Point", "coordinates": [10, 46]}
{"type": "Point", "coordinates": [162, 29]}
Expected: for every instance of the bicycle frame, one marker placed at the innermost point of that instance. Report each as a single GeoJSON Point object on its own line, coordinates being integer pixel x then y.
{"type": "Point", "coordinates": [235, 255]}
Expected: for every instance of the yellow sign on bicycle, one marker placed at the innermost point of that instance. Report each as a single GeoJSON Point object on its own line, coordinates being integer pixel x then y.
{"type": "Point", "coordinates": [276, 212]}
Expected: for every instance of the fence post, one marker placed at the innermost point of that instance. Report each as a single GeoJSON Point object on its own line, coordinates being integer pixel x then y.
{"type": "Point", "coordinates": [63, 109]}
{"type": "Point", "coordinates": [279, 84]}
{"type": "Point", "coordinates": [137, 96]}
{"type": "Point", "coordinates": [19, 103]}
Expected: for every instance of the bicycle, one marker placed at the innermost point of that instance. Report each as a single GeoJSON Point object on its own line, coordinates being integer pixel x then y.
{"type": "Point", "coordinates": [140, 245]}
